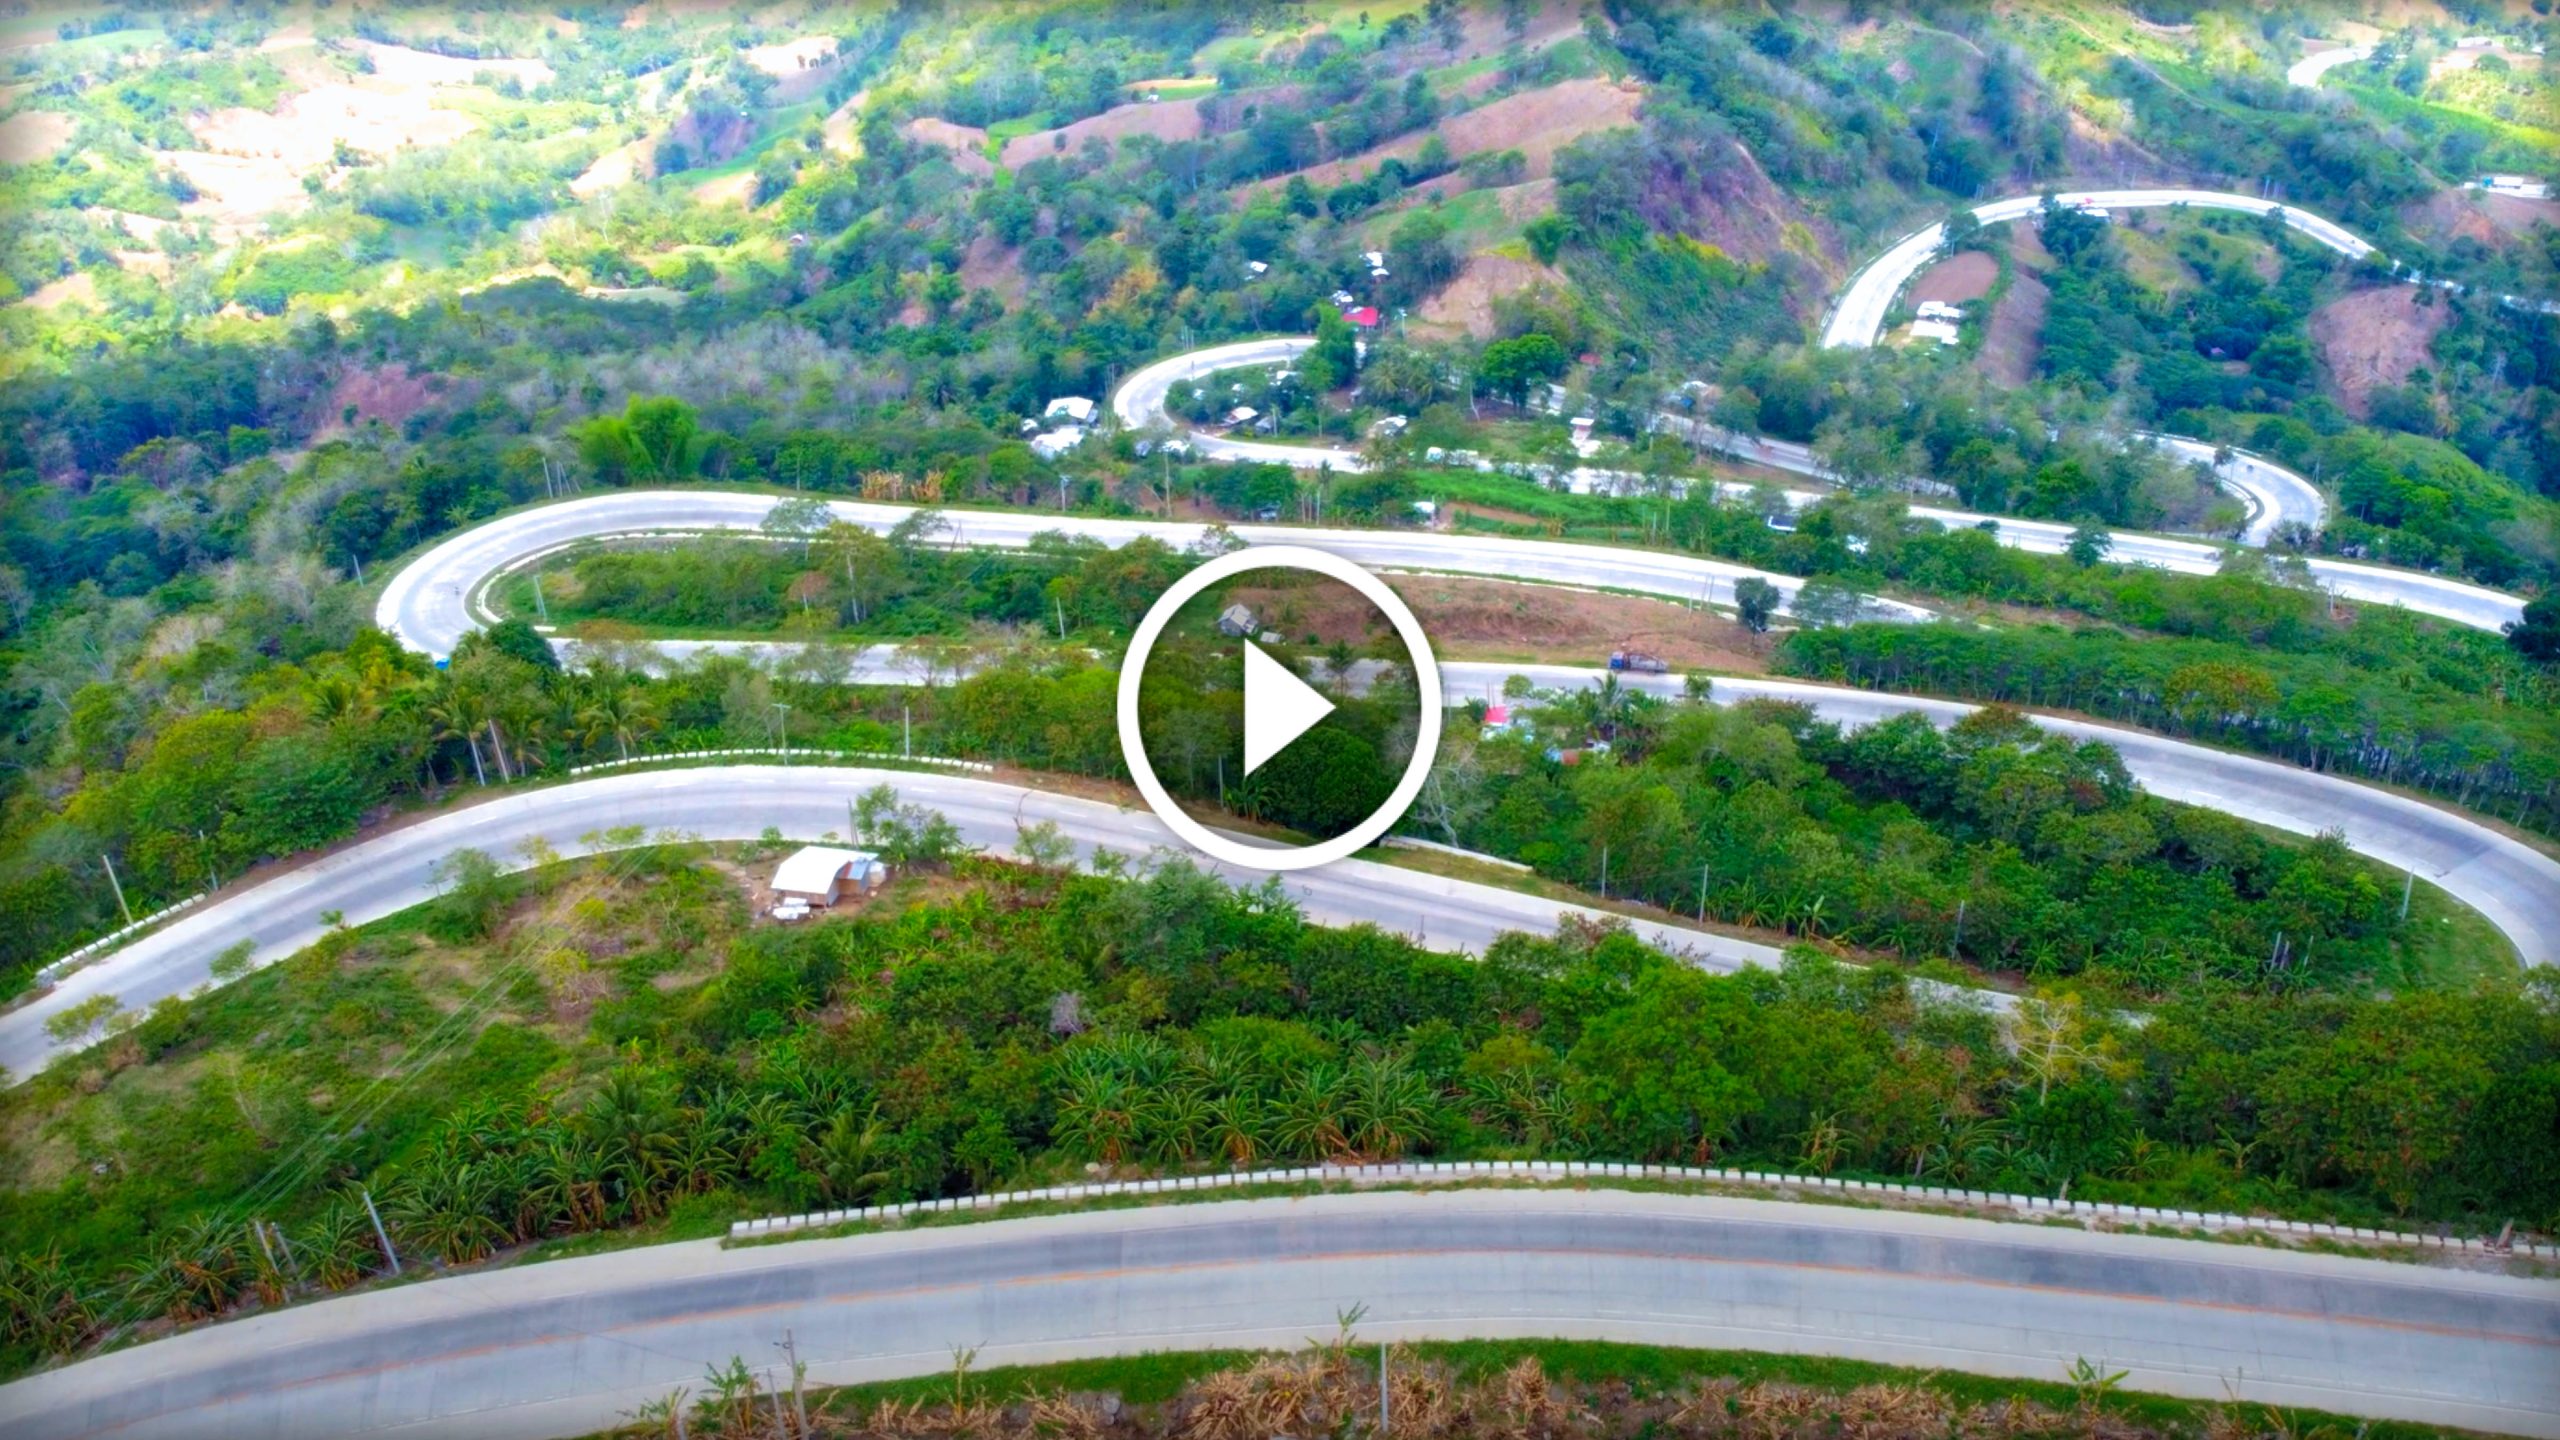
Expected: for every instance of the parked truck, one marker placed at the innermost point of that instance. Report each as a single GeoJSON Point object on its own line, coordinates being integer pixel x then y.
{"type": "Point", "coordinates": [1639, 662]}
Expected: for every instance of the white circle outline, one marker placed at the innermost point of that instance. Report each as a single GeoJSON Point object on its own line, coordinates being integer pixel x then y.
{"type": "Point", "coordinates": [1426, 673]}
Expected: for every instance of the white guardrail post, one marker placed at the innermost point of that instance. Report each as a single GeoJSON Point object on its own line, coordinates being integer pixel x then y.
{"type": "Point", "coordinates": [47, 974]}
{"type": "Point", "coordinates": [1432, 1171]}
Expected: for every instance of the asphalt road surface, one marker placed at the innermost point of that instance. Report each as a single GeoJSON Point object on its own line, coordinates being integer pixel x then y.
{"type": "Point", "coordinates": [428, 604]}
{"type": "Point", "coordinates": [428, 607]}
{"type": "Point", "coordinates": [1859, 314]}
{"type": "Point", "coordinates": [2277, 498]}
{"type": "Point", "coordinates": [570, 1346]}
{"type": "Point", "coordinates": [396, 870]}
{"type": "Point", "coordinates": [2514, 885]}
{"type": "Point", "coordinates": [2307, 71]}
{"type": "Point", "coordinates": [1139, 403]}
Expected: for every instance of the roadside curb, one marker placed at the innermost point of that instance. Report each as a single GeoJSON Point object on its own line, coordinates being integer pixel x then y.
{"type": "Point", "coordinates": [1464, 1170]}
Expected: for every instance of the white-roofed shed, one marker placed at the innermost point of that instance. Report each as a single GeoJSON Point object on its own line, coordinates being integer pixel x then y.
{"type": "Point", "coordinates": [821, 873]}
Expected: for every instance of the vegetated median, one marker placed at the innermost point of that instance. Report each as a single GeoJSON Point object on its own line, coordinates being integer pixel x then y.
{"type": "Point", "coordinates": [617, 1049]}
{"type": "Point", "coordinates": [1485, 1390]}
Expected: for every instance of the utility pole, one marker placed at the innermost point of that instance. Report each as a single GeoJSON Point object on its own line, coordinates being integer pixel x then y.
{"type": "Point", "coordinates": [379, 1233]}
{"type": "Point", "coordinates": [1957, 949]}
{"type": "Point", "coordinates": [2408, 889]}
{"type": "Point", "coordinates": [1385, 1421]}
{"type": "Point", "coordinates": [906, 732]}
{"type": "Point", "coordinates": [359, 566]}
{"type": "Point", "coordinates": [782, 727]}
{"type": "Point", "coordinates": [497, 751]}
{"type": "Point", "coordinates": [1062, 615]}
{"type": "Point", "coordinates": [539, 608]}
{"type": "Point", "coordinates": [1702, 894]}
{"type": "Point", "coordinates": [117, 885]}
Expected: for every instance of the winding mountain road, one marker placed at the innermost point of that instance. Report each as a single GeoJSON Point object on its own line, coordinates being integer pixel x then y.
{"type": "Point", "coordinates": [429, 606]}
{"type": "Point", "coordinates": [2308, 71]}
{"type": "Point", "coordinates": [2277, 498]}
{"type": "Point", "coordinates": [396, 870]}
{"type": "Point", "coordinates": [1857, 317]}
{"type": "Point", "coordinates": [570, 1346]}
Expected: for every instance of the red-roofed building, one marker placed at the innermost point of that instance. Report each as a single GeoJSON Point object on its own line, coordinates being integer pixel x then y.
{"type": "Point", "coordinates": [1364, 316]}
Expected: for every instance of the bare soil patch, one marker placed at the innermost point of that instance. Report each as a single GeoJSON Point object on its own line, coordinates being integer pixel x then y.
{"type": "Point", "coordinates": [1466, 302]}
{"type": "Point", "coordinates": [1163, 119]}
{"type": "Point", "coordinates": [1957, 279]}
{"type": "Point", "coordinates": [33, 135]}
{"type": "Point", "coordinates": [1485, 34]}
{"type": "Point", "coordinates": [838, 127]}
{"type": "Point", "coordinates": [799, 67]}
{"type": "Point", "coordinates": [236, 189]}
{"type": "Point", "coordinates": [303, 132]}
{"type": "Point", "coordinates": [1537, 123]}
{"type": "Point", "coordinates": [70, 289]}
{"type": "Point", "coordinates": [738, 190]}
{"type": "Point", "coordinates": [400, 65]}
{"type": "Point", "coordinates": [2466, 56]}
{"type": "Point", "coordinates": [2014, 335]}
{"type": "Point", "coordinates": [2516, 215]}
{"type": "Point", "coordinates": [387, 393]}
{"type": "Point", "coordinates": [1503, 620]}
{"type": "Point", "coordinates": [990, 266]}
{"type": "Point", "coordinates": [966, 144]}
{"type": "Point", "coordinates": [615, 168]}
{"type": "Point", "coordinates": [2373, 338]}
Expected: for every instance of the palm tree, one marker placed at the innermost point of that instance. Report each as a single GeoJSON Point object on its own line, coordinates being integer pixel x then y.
{"type": "Point", "coordinates": [1309, 1117]}
{"type": "Point", "coordinates": [849, 1159]}
{"type": "Point", "coordinates": [445, 1209]}
{"type": "Point", "coordinates": [196, 1273]}
{"type": "Point", "coordinates": [453, 715]}
{"type": "Point", "coordinates": [566, 1182]}
{"type": "Point", "coordinates": [340, 1244]}
{"type": "Point", "coordinates": [703, 1160]}
{"type": "Point", "coordinates": [1175, 1122]}
{"type": "Point", "coordinates": [341, 700]}
{"type": "Point", "coordinates": [636, 1124]}
{"type": "Point", "coordinates": [41, 1304]}
{"type": "Point", "coordinates": [1099, 1115]}
{"type": "Point", "coordinates": [1608, 704]}
{"type": "Point", "coordinates": [1386, 1108]}
{"type": "Point", "coordinates": [1236, 1123]}
{"type": "Point", "coordinates": [618, 710]}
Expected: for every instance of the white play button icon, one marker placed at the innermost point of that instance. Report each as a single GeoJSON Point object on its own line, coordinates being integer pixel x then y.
{"type": "Point", "coordinates": [1278, 707]}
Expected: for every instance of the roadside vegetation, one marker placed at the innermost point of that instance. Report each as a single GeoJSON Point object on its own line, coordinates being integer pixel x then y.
{"type": "Point", "coordinates": [1481, 1390]}
{"type": "Point", "coordinates": [289, 295]}
{"type": "Point", "coordinates": [214, 437]}
{"type": "Point", "coordinates": [615, 1046]}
